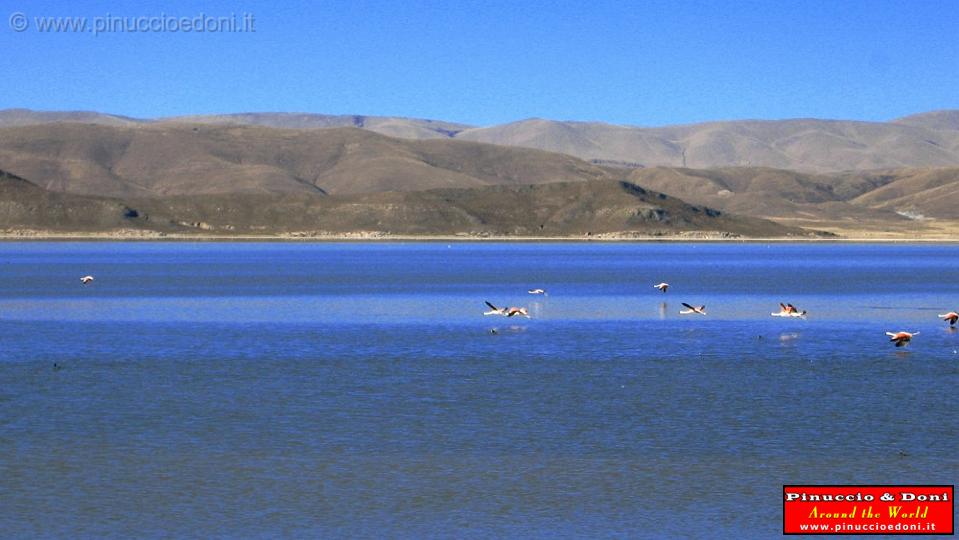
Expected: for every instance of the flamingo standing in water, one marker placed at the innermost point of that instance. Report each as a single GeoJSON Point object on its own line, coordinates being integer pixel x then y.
{"type": "Point", "coordinates": [950, 317]}
{"type": "Point", "coordinates": [901, 338]}
{"type": "Point", "coordinates": [662, 286]}
{"type": "Point", "coordinates": [701, 310]}
{"type": "Point", "coordinates": [86, 280]}
{"type": "Point", "coordinates": [507, 312]}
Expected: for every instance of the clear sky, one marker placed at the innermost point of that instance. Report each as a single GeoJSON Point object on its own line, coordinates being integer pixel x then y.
{"type": "Point", "coordinates": [485, 62]}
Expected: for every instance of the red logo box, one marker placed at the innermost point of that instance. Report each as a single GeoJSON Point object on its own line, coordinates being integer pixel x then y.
{"type": "Point", "coordinates": [868, 509]}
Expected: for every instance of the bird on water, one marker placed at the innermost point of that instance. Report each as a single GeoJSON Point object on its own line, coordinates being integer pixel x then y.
{"type": "Point", "coordinates": [901, 339]}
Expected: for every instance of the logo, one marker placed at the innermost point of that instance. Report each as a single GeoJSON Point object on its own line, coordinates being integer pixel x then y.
{"type": "Point", "coordinates": [874, 509]}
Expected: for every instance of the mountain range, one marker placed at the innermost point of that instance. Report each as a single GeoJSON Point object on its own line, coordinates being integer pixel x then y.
{"type": "Point", "coordinates": [296, 172]}
{"type": "Point", "coordinates": [928, 139]}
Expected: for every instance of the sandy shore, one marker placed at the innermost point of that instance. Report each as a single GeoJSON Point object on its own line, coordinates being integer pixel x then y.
{"type": "Point", "coordinates": [14, 235]}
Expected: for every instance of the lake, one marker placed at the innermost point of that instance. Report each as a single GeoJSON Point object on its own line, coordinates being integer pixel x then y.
{"type": "Point", "coordinates": [256, 390]}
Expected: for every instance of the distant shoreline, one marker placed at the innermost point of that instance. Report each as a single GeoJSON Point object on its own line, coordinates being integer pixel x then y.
{"type": "Point", "coordinates": [691, 237]}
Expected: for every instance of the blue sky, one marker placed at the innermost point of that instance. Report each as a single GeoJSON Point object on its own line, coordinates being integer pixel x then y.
{"type": "Point", "coordinates": [641, 63]}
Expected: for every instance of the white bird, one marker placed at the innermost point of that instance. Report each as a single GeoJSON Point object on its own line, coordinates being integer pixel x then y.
{"type": "Point", "coordinates": [662, 286]}
{"type": "Point", "coordinates": [950, 317]}
{"type": "Point", "coordinates": [901, 338]}
{"type": "Point", "coordinates": [701, 310]}
{"type": "Point", "coordinates": [507, 312]}
{"type": "Point", "coordinates": [86, 279]}
{"type": "Point", "coordinates": [537, 291]}
{"type": "Point", "coordinates": [789, 310]}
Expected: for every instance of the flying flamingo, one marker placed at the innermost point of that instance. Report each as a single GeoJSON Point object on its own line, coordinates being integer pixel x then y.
{"type": "Point", "coordinates": [662, 286]}
{"type": "Point", "coordinates": [507, 312]}
{"type": "Point", "coordinates": [950, 317]}
{"type": "Point", "coordinates": [701, 310]}
{"type": "Point", "coordinates": [537, 291]}
{"type": "Point", "coordinates": [86, 279]}
{"type": "Point", "coordinates": [901, 338]}
{"type": "Point", "coordinates": [789, 310]}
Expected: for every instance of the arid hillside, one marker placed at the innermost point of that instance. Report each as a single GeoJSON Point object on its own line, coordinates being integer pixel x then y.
{"type": "Point", "coordinates": [232, 165]}
{"type": "Point", "coordinates": [929, 139]}
{"type": "Point", "coordinates": [190, 159]}
{"type": "Point", "coordinates": [567, 209]}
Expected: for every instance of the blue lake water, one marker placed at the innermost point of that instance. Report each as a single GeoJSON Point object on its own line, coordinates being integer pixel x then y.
{"type": "Point", "coordinates": [246, 390]}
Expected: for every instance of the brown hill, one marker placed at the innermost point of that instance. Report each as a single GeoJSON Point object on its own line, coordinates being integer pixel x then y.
{"type": "Point", "coordinates": [805, 144]}
{"type": "Point", "coordinates": [25, 205]}
{"type": "Point", "coordinates": [922, 140]}
{"type": "Point", "coordinates": [917, 193]}
{"type": "Point", "coordinates": [768, 193]}
{"type": "Point", "coordinates": [27, 117]}
{"type": "Point", "coordinates": [558, 209]}
{"type": "Point", "coordinates": [189, 159]}
{"type": "Point", "coordinates": [550, 210]}
{"type": "Point", "coordinates": [587, 140]}
{"type": "Point", "coordinates": [948, 120]}
{"type": "Point", "coordinates": [410, 128]}
{"type": "Point", "coordinates": [893, 199]}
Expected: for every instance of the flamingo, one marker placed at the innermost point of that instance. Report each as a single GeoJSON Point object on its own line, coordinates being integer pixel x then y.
{"type": "Point", "coordinates": [495, 310]}
{"type": "Point", "coordinates": [901, 338]}
{"type": "Point", "coordinates": [537, 291]}
{"type": "Point", "coordinates": [86, 279]}
{"type": "Point", "coordinates": [662, 286]}
{"type": "Point", "coordinates": [701, 310]}
{"type": "Point", "coordinates": [950, 317]}
{"type": "Point", "coordinates": [507, 312]}
{"type": "Point", "coordinates": [789, 310]}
